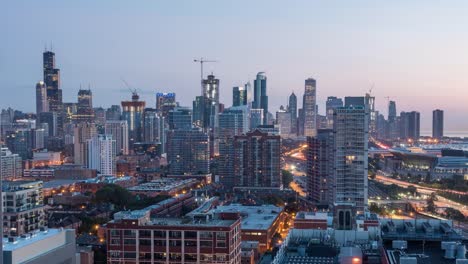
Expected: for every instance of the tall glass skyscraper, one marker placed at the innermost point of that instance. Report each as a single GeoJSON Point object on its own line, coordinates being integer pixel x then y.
{"type": "Point", "coordinates": [41, 98]}
{"type": "Point", "coordinates": [239, 96]}
{"type": "Point", "coordinates": [260, 100]}
{"type": "Point", "coordinates": [309, 108]}
{"type": "Point", "coordinates": [437, 123]}
{"type": "Point", "coordinates": [211, 106]}
{"type": "Point", "coordinates": [332, 103]}
{"type": "Point", "coordinates": [293, 112]}
{"type": "Point", "coordinates": [132, 112]}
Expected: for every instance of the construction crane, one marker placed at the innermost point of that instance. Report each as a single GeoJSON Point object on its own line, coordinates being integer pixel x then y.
{"type": "Point", "coordinates": [132, 90]}
{"type": "Point", "coordinates": [201, 61]}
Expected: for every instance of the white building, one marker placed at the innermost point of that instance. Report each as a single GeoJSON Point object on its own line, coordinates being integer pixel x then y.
{"type": "Point", "coordinates": [283, 119]}
{"type": "Point", "coordinates": [10, 164]}
{"type": "Point", "coordinates": [52, 246]}
{"type": "Point", "coordinates": [101, 151]}
{"type": "Point", "coordinates": [351, 150]}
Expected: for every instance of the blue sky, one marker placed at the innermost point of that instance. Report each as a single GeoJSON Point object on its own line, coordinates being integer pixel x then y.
{"type": "Point", "coordinates": [412, 51]}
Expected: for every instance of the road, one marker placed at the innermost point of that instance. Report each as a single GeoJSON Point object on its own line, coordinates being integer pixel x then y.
{"type": "Point", "coordinates": [442, 202]}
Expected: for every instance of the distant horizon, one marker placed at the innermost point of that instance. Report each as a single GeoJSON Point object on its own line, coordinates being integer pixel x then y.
{"type": "Point", "coordinates": [412, 53]}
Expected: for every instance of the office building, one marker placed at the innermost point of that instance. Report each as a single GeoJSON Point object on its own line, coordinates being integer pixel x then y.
{"type": "Point", "coordinates": [292, 108]}
{"type": "Point", "coordinates": [133, 237]}
{"type": "Point", "coordinates": [20, 142]}
{"type": "Point", "coordinates": [165, 102]}
{"type": "Point", "coordinates": [309, 108]}
{"type": "Point", "coordinates": [52, 82]}
{"type": "Point", "coordinates": [233, 122]}
{"type": "Point", "coordinates": [154, 127]}
{"type": "Point", "coordinates": [239, 96]}
{"type": "Point", "coordinates": [114, 112]}
{"type": "Point", "coordinates": [6, 121]}
{"type": "Point", "coordinates": [331, 104]}
{"type": "Point", "coordinates": [351, 153]}
{"type": "Point", "coordinates": [85, 111]}
{"type": "Point", "coordinates": [260, 99]}
{"type": "Point", "coordinates": [256, 118]}
{"type": "Point", "coordinates": [410, 125]}
{"type": "Point", "coordinates": [82, 132]}
{"type": "Point", "coordinates": [188, 151]}
{"type": "Point", "coordinates": [51, 119]}
{"type": "Point", "coordinates": [320, 162]}
{"type": "Point", "coordinates": [41, 98]}
{"type": "Point", "coordinates": [283, 120]}
{"type": "Point", "coordinates": [210, 87]}
{"type": "Point", "coordinates": [180, 118]}
{"type": "Point", "coordinates": [101, 155]}
{"type": "Point", "coordinates": [198, 108]}
{"type": "Point", "coordinates": [52, 246]}
{"type": "Point", "coordinates": [23, 209]}
{"type": "Point", "coordinates": [437, 123]}
{"type": "Point", "coordinates": [392, 112]}
{"type": "Point", "coordinates": [368, 102]}
{"type": "Point", "coordinates": [132, 112]}
{"type": "Point", "coordinates": [257, 161]}
{"type": "Point", "coordinates": [10, 165]}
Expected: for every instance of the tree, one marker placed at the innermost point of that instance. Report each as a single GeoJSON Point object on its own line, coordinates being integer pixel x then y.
{"type": "Point", "coordinates": [112, 193]}
{"type": "Point", "coordinates": [430, 203]}
{"type": "Point", "coordinates": [287, 178]}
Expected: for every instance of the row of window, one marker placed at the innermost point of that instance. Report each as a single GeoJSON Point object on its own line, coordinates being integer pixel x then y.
{"type": "Point", "coordinates": [172, 243]}
{"type": "Point", "coordinates": [172, 234]}
{"type": "Point", "coordinates": [164, 256]}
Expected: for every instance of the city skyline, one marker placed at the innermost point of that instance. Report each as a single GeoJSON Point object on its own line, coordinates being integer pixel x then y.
{"type": "Point", "coordinates": [389, 53]}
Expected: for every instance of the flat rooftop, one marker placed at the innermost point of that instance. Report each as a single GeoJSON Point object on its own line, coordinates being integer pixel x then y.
{"type": "Point", "coordinates": [253, 217]}
{"type": "Point", "coordinates": [30, 239]}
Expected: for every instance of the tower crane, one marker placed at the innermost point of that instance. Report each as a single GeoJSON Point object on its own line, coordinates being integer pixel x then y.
{"type": "Point", "coordinates": [201, 61]}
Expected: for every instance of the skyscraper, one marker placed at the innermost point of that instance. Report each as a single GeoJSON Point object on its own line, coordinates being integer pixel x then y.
{"type": "Point", "coordinates": [350, 129]}
{"type": "Point", "coordinates": [283, 120]}
{"type": "Point", "coordinates": [331, 104]}
{"type": "Point", "coordinates": [437, 123]}
{"type": "Point", "coordinates": [257, 161]}
{"type": "Point", "coordinates": [256, 118]}
{"type": "Point", "coordinates": [180, 118]}
{"type": "Point", "coordinates": [233, 122]}
{"type": "Point", "coordinates": [410, 125]}
{"type": "Point", "coordinates": [101, 152]}
{"type": "Point", "coordinates": [392, 113]}
{"type": "Point", "coordinates": [309, 108]}
{"type": "Point", "coordinates": [188, 151]}
{"type": "Point", "coordinates": [165, 102]}
{"type": "Point", "coordinates": [10, 164]}
{"type": "Point", "coordinates": [292, 108]}
{"type": "Point", "coordinates": [81, 133]}
{"type": "Point", "coordinates": [320, 162]}
{"type": "Point", "coordinates": [84, 112]}
{"type": "Point", "coordinates": [41, 98]}
{"type": "Point", "coordinates": [211, 104]}
{"type": "Point", "coordinates": [133, 114]}
{"type": "Point", "coordinates": [113, 113]}
{"type": "Point", "coordinates": [52, 81]}
{"type": "Point", "coordinates": [118, 129]}
{"type": "Point", "coordinates": [260, 100]}
{"type": "Point", "coordinates": [239, 96]}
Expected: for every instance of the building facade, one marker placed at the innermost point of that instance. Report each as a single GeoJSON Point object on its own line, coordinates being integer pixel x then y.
{"type": "Point", "coordinates": [437, 123]}
{"type": "Point", "coordinates": [260, 100]}
{"type": "Point", "coordinates": [309, 107]}
{"type": "Point", "coordinates": [132, 112]}
{"type": "Point", "coordinates": [101, 154]}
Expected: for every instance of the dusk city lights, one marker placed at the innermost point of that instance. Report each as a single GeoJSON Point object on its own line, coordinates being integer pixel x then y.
{"type": "Point", "coordinates": [234, 132]}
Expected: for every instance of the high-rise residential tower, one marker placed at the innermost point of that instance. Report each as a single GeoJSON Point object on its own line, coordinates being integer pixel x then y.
{"type": "Point", "coordinates": [331, 104]}
{"type": "Point", "coordinates": [239, 96]}
{"type": "Point", "coordinates": [350, 129]}
{"type": "Point", "coordinates": [309, 108]}
{"type": "Point", "coordinates": [81, 133]}
{"type": "Point", "coordinates": [260, 100]}
{"type": "Point", "coordinates": [392, 113]}
{"type": "Point", "coordinates": [410, 125]}
{"type": "Point", "coordinates": [132, 112]}
{"type": "Point", "coordinates": [292, 108]}
{"type": "Point", "coordinates": [118, 129]}
{"type": "Point", "coordinates": [211, 106]}
{"type": "Point", "coordinates": [437, 123]}
{"type": "Point", "coordinates": [165, 102]}
{"type": "Point", "coordinates": [320, 162]}
{"type": "Point", "coordinates": [101, 154]}
{"type": "Point", "coordinates": [257, 161]}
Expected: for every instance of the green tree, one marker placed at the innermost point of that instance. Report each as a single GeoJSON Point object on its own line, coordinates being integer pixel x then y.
{"type": "Point", "coordinates": [112, 193]}
{"type": "Point", "coordinates": [287, 178]}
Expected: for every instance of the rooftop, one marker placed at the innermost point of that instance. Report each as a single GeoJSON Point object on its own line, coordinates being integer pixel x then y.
{"type": "Point", "coordinates": [253, 217]}
{"type": "Point", "coordinates": [29, 239]}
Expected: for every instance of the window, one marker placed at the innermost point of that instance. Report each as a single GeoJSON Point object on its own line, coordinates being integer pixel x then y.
{"type": "Point", "coordinates": [206, 244]}
{"type": "Point", "coordinates": [190, 234]}
{"type": "Point", "coordinates": [145, 233]}
{"type": "Point", "coordinates": [129, 241]}
{"type": "Point", "coordinates": [145, 256]}
{"type": "Point", "coordinates": [175, 234]}
{"type": "Point", "coordinates": [159, 243]}
{"type": "Point", "coordinates": [175, 256]}
{"type": "Point", "coordinates": [175, 243]}
{"type": "Point", "coordinates": [206, 234]}
{"type": "Point", "coordinates": [114, 254]}
{"type": "Point", "coordinates": [114, 232]}
{"type": "Point", "coordinates": [159, 256]}
{"type": "Point", "coordinates": [129, 255]}
{"type": "Point", "coordinates": [221, 244]}
{"type": "Point", "coordinates": [145, 242]}
{"type": "Point", "coordinates": [115, 241]}
{"type": "Point", "coordinates": [130, 233]}
{"type": "Point", "coordinates": [190, 243]}
{"type": "Point", "coordinates": [159, 233]}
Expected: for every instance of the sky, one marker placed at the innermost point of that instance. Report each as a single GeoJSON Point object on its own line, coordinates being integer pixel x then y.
{"type": "Point", "coordinates": [412, 52]}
